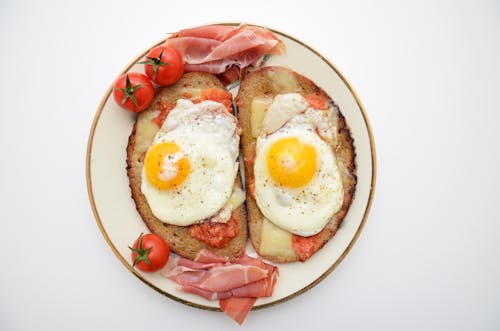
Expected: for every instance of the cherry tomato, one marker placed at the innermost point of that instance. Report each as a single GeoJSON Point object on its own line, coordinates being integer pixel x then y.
{"type": "Point", "coordinates": [164, 65]}
{"type": "Point", "coordinates": [150, 252]}
{"type": "Point", "coordinates": [133, 91]}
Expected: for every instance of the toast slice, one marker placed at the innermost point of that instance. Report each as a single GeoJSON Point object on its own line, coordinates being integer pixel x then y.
{"type": "Point", "coordinates": [271, 242]}
{"type": "Point", "coordinates": [143, 132]}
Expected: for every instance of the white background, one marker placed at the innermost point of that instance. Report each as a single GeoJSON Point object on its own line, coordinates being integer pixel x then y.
{"type": "Point", "coordinates": [427, 73]}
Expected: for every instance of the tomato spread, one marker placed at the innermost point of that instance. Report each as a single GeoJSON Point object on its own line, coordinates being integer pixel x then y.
{"type": "Point", "coordinates": [164, 107]}
{"type": "Point", "coordinates": [305, 247]}
{"type": "Point", "coordinates": [317, 101]}
{"type": "Point", "coordinates": [217, 95]}
{"type": "Point", "coordinates": [216, 235]}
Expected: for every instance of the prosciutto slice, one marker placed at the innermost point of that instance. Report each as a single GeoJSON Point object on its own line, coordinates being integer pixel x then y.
{"type": "Point", "coordinates": [207, 256]}
{"type": "Point", "coordinates": [237, 308]}
{"type": "Point", "coordinates": [236, 285]}
{"type": "Point", "coordinates": [217, 32]}
{"type": "Point", "coordinates": [217, 48]}
{"type": "Point", "coordinates": [218, 278]}
{"type": "Point", "coordinates": [193, 49]}
{"type": "Point", "coordinates": [183, 264]}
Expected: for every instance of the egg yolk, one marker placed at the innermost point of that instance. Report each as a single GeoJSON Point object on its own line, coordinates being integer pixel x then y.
{"type": "Point", "coordinates": [291, 163]}
{"type": "Point", "coordinates": [166, 166]}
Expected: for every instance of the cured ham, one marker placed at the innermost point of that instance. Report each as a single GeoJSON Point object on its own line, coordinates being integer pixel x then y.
{"type": "Point", "coordinates": [207, 256]}
{"type": "Point", "coordinates": [236, 284]}
{"type": "Point", "coordinates": [190, 265]}
{"type": "Point", "coordinates": [193, 49]}
{"type": "Point", "coordinates": [217, 32]}
{"type": "Point", "coordinates": [209, 295]}
{"type": "Point", "coordinates": [244, 41]}
{"type": "Point", "coordinates": [237, 308]}
{"type": "Point", "coordinates": [218, 278]}
{"type": "Point", "coordinates": [218, 48]}
{"type": "Point", "coordinates": [212, 67]}
{"type": "Point", "coordinates": [230, 75]}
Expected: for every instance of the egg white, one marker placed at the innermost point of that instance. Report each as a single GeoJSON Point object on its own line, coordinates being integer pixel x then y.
{"type": "Point", "coordinates": [304, 210]}
{"type": "Point", "coordinates": [207, 135]}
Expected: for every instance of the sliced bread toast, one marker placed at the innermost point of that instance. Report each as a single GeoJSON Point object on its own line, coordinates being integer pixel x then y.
{"type": "Point", "coordinates": [269, 82]}
{"type": "Point", "coordinates": [143, 132]}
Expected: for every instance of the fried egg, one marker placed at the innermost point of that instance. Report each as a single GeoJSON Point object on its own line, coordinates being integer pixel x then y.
{"type": "Point", "coordinates": [190, 168]}
{"type": "Point", "coordinates": [297, 182]}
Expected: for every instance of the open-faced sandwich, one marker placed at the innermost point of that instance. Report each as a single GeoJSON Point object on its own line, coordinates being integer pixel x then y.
{"type": "Point", "coordinates": [299, 163]}
{"type": "Point", "coordinates": [183, 168]}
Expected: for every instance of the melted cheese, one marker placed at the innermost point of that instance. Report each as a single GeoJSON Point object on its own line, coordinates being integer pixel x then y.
{"type": "Point", "coordinates": [146, 131]}
{"type": "Point", "coordinates": [193, 92]}
{"type": "Point", "coordinates": [257, 111]}
{"type": "Point", "coordinates": [237, 197]}
{"type": "Point", "coordinates": [282, 81]}
{"type": "Point", "coordinates": [275, 241]}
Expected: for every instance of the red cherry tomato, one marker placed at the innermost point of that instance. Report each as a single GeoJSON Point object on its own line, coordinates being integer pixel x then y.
{"type": "Point", "coordinates": [149, 253]}
{"type": "Point", "coordinates": [164, 65]}
{"type": "Point", "coordinates": [133, 91]}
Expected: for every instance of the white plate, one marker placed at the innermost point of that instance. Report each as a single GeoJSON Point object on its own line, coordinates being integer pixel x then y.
{"type": "Point", "coordinates": [120, 224]}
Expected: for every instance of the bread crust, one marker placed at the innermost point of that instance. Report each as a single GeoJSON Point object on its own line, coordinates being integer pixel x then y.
{"type": "Point", "coordinates": [261, 82]}
{"type": "Point", "coordinates": [177, 237]}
